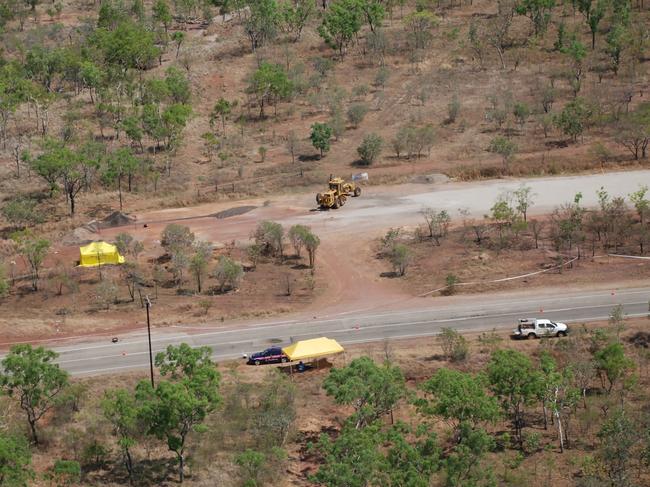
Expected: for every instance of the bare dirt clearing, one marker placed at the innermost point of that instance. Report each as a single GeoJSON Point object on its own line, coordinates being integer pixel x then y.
{"type": "Point", "coordinates": [348, 275]}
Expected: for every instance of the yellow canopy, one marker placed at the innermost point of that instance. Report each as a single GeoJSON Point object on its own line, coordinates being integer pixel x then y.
{"type": "Point", "coordinates": [316, 347]}
{"type": "Point", "coordinates": [99, 253]}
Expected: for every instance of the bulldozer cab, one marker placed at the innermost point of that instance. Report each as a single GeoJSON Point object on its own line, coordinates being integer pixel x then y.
{"type": "Point", "coordinates": [335, 184]}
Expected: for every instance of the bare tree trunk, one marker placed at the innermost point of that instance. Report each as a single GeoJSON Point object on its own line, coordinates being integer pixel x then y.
{"type": "Point", "coordinates": [181, 467]}
{"type": "Point", "coordinates": [17, 159]}
{"type": "Point", "coordinates": [503, 63]}
{"type": "Point", "coordinates": [32, 427]}
{"type": "Point", "coordinates": [119, 189]}
{"type": "Point", "coordinates": [559, 429]}
{"type": "Point", "coordinates": [128, 463]}
{"type": "Point", "coordinates": [566, 433]}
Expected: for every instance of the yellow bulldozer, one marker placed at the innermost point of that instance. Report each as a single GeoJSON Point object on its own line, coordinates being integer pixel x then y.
{"type": "Point", "coordinates": [339, 190]}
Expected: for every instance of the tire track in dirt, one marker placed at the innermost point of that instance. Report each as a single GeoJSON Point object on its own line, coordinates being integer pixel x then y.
{"type": "Point", "coordinates": [352, 278]}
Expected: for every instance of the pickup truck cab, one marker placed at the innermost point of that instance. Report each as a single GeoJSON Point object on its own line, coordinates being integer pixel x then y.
{"type": "Point", "coordinates": [536, 328]}
{"type": "Point", "coordinates": [268, 356]}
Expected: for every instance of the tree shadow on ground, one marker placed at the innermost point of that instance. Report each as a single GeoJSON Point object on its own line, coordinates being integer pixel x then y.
{"type": "Point", "coordinates": [557, 144]}
{"type": "Point", "coordinates": [359, 163]}
{"type": "Point", "coordinates": [156, 472]}
{"type": "Point", "coordinates": [390, 274]}
{"type": "Point", "coordinates": [436, 357]}
{"type": "Point", "coordinates": [308, 157]}
{"type": "Point", "coordinates": [218, 291]}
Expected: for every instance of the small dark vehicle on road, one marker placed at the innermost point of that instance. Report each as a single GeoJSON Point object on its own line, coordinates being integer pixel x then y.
{"type": "Point", "coordinates": [269, 356]}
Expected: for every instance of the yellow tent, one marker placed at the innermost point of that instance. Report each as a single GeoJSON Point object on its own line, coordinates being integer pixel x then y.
{"type": "Point", "coordinates": [316, 347]}
{"type": "Point", "coordinates": [99, 253]}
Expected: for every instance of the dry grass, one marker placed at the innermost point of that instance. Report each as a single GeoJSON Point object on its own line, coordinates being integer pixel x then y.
{"type": "Point", "coordinates": [221, 61]}
{"type": "Point", "coordinates": [262, 292]}
{"type": "Point", "coordinates": [459, 255]}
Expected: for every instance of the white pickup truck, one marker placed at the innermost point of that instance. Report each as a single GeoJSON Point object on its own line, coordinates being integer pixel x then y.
{"type": "Point", "coordinates": [536, 328]}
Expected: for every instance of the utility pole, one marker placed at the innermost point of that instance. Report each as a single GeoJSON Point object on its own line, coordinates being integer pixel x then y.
{"type": "Point", "coordinates": [148, 304]}
{"type": "Point", "coordinates": [99, 264]}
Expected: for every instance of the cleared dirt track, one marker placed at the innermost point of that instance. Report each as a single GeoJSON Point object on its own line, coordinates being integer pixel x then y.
{"type": "Point", "coordinates": [381, 207]}
{"type": "Point", "coordinates": [400, 205]}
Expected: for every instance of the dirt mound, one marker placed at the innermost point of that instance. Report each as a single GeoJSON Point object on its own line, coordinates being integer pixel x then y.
{"type": "Point", "coordinates": [238, 210]}
{"type": "Point", "coordinates": [80, 236]}
{"type": "Point", "coordinates": [92, 226]}
{"type": "Point", "coordinates": [116, 219]}
{"type": "Point", "coordinates": [87, 233]}
{"type": "Point", "coordinates": [83, 234]}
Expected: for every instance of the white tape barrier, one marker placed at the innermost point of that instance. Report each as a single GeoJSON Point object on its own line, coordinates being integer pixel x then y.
{"type": "Point", "coordinates": [503, 279]}
{"type": "Point", "coordinates": [623, 256]}
{"type": "Point", "coordinates": [533, 273]}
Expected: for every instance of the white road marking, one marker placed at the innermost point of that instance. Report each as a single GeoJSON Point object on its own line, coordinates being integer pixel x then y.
{"type": "Point", "coordinates": [256, 327]}
{"type": "Point", "coordinates": [389, 325]}
{"type": "Point", "coordinates": [352, 342]}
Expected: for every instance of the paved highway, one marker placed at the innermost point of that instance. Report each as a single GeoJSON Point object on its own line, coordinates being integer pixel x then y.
{"type": "Point", "coordinates": [424, 318]}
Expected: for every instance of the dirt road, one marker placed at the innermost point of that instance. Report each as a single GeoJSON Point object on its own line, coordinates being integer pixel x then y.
{"type": "Point", "coordinates": [382, 207]}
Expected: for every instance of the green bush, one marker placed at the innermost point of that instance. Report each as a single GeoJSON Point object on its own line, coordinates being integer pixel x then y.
{"type": "Point", "coordinates": [400, 257]}
{"type": "Point", "coordinates": [453, 109]}
{"type": "Point", "coordinates": [532, 442]}
{"type": "Point", "coordinates": [356, 113]}
{"type": "Point", "coordinates": [381, 78]}
{"type": "Point", "coordinates": [4, 283]}
{"type": "Point", "coordinates": [66, 472]}
{"type": "Point", "coordinates": [228, 273]}
{"type": "Point", "coordinates": [370, 148]}
{"type": "Point", "coordinates": [22, 212]}
{"type": "Point", "coordinates": [450, 281]}
{"type": "Point", "coordinates": [453, 344]}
